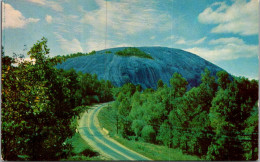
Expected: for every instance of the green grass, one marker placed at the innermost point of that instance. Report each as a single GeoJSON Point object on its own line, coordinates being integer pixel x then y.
{"type": "Point", "coordinates": [155, 152]}
{"type": "Point", "coordinates": [81, 150]}
{"type": "Point", "coordinates": [79, 145]}
{"type": "Point", "coordinates": [132, 51]}
{"type": "Point", "coordinates": [107, 121]}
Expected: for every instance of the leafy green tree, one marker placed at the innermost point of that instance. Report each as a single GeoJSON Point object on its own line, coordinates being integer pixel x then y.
{"type": "Point", "coordinates": [189, 117]}
{"type": "Point", "coordinates": [91, 90]}
{"type": "Point", "coordinates": [251, 135]}
{"type": "Point", "coordinates": [223, 79]}
{"type": "Point", "coordinates": [136, 114]}
{"type": "Point", "coordinates": [189, 123]}
{"type": "Point", "coordinates": [105, 91]}
{"type": "Point", "coordinates": [39, 103]}
{"type": "Point", "coordinates": [178, 85]}
{"type": "Point", "coordinates": [31, 112]}
{"type": "Point", "coordinates": [231, 108]}
{"type": "Point", "coordinates": [165, 134]}
{"type": "Point", "coordinates": [124, 109]}
{"type": "Point", "coordinates": [137, 126]}
{"type": "Point", "coordinates": [148, 133]}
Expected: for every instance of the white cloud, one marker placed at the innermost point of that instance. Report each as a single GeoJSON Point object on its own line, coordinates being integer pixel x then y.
{"type": "Point", "coordinates": [48, 3]}
{"type": "Point", "coordinates": [152, 37]}
{"type": "Point", "coordinates": [40, 2]}
{"type": "Point", "coordinates": [48, 18]}
{"type": "Point", "coordinates": [126, 17]}
{"type": "Point", "coordinates": [69, 46]}
{"type": "Point", "coordinates": [239, 18]}
{"type": "Point", "coordinates": [124, 45]}
{"type": "Point", "coordinates": [181, 40]}
{"type": "Point", "coordinates": [170, 37]}
{"type": "Point", "coordinates": [100, 44]}
{"type": "Point", "coordinates": [226, 49]}
{"type": "Point", "coordinates": [13, 18]}
{"type": "Point", "coordinates": [68, 23]}
{"type": "Point", "coordinates": [32, 20]}
{"type": "Point", "coordinates": [230, 40]}
{"type": "Point", "coordinates": [200, 40]}
{"type": "Point", "coordinates": [96, 45]}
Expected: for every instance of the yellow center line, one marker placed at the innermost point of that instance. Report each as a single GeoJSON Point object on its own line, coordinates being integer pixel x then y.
{"type": "Point", "coordinates": [89, 121]}
{"type": "Point", "coordinates": [96, 123]}
{"type": "Point", "coordinates": [94, 146]}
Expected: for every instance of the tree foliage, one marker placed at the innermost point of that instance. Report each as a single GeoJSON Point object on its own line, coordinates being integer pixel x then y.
{"type": "Point", "coordinates": [217, 120]}
{"type": "Point", "coordinates": [132, 51]}
{"type": "Point", "coordinates": [39, 102]}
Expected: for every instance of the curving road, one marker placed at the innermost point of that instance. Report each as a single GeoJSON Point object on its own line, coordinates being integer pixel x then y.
{"type": "Point", "coordinates": [90, 131]}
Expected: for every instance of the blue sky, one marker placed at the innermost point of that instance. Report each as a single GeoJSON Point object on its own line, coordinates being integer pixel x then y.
{"type": "Point", "coordinates": [224, 32]}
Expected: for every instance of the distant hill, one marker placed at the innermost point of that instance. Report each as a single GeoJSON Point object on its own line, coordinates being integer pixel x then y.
{"type": "Point", "coordinates": [108, 65]}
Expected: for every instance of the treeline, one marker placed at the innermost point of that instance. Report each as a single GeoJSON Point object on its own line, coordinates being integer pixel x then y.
{"type": "Point", "coordinates": [39, 103]}
{"type": "Point", "coordinates": [218, 120]}
{"type": "Point", "coordinates": [72, 55]}
{"type": "Point", "coordinates": [130, 51]}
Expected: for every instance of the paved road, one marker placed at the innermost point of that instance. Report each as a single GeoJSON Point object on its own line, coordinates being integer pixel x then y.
{"type": "Point", "coordinates": [90, 131]}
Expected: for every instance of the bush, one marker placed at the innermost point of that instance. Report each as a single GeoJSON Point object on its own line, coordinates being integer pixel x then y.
{"type": "Point", "coordinates": [148, 134]}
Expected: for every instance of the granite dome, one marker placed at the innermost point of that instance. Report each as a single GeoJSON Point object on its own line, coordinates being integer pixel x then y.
{"type": "Point", "coordinates": [146, 72]}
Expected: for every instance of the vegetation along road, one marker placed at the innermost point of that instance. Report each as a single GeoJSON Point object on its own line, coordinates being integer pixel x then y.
{"type": "Point", "coordinates": [90, 131]}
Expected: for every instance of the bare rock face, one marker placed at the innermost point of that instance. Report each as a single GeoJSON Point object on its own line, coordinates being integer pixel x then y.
{"type": "Point", "coordinates": [146, 72]}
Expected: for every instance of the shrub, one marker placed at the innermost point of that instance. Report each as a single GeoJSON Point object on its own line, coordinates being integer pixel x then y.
{"type": "Point", "coordinates": [148, 134]}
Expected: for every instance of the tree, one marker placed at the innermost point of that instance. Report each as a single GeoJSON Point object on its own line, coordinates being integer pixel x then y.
{"type": "Point", "coordinates": [223, 79]}
{"type": "Point", "coordinates": [165, 134]}
{"type": "Point", "coordinates": [37, 107]}
{"type": "Point", "coordinates": [231, 110]}
{"type": "Point", "coordinates": [137, 126]}
{"type": "Point", "coordinates": [178, 85]}
{"type": "Point", "coordinates": [189, 117]}
{"type": "Point", "coordinates": [251, 131]}
{"type": "Point", "coordinates": [124, 109]}
{"type": "Point", "coordinates": [148, 133]}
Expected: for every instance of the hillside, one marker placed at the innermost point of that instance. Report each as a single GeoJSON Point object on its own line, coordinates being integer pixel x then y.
{"type": "Point", "coordinates": [137, 70]}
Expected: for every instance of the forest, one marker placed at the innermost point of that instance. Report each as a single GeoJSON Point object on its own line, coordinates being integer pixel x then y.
{"type": "Point", "coordinates": [218, 120]}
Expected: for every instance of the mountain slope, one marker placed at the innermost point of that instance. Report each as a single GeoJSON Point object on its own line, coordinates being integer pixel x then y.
{"type": "Point", "coordinates": [143, 71]}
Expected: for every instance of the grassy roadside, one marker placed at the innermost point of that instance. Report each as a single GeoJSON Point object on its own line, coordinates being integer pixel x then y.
{"type": "Point", "coordinates": [155, 152]}
{"type": "Point", "coordinates": [81, 150]}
